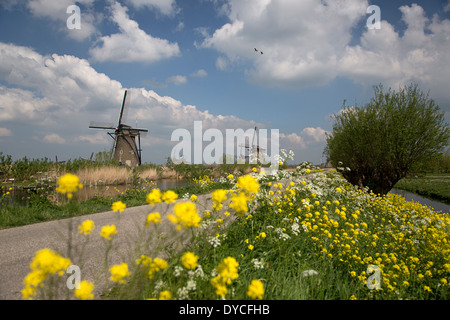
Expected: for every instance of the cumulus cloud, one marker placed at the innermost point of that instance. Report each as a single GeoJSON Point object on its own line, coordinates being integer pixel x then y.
{"type": "Point", "coordinates": [132, 44]}
{"type": "Point", "coordinates": [5, 132]}
{"type": "Point", "coordinates": [310, 43]}
{"type": "Point", "coordinates": [57, 11]}
{"type": "Point", "coordinates": [178, 79]}
{"type": "Point", "coordinates": [166, 7]}
{"type": "Point", "coordinates": [54, 138]}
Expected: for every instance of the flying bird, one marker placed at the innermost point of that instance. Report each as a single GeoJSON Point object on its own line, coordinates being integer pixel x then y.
{"type": "Point", "coordinates": [256, 50]}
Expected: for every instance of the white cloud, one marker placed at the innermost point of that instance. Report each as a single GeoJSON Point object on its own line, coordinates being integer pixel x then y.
{"type": "Point", "coordinates": [5, 132]}
{"type": "Point", "coordinates": [177, 79]}
{"type": "Point", "coordinates": [309, 43]}
{"type": "Point", "coordinates": [447, 6]}
{"type": "Point", "coordinates": [166, 7]}
{"type": "Point", "coordinates": [199, 73]}
{"type": "Point", "coordinates": [57, 11]}
{"type": "Point", "coordinates": [54, 138]}
{"type": "Point", "coordinates": [132, 44]}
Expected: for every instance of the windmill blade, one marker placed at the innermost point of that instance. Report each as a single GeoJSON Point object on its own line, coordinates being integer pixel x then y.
{"type": "Point", "coordinates": [101, 125]}
{"type": "Point", "coordinates": [125, 107]}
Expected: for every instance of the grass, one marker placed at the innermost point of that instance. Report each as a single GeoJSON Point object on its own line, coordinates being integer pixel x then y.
{"type": "Point", "coordinates": [433, 186]}
{"type": "Point", "coordinates": [311, 237]}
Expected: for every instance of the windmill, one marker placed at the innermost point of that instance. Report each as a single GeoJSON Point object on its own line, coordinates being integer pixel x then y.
{"type": "Point", "coordinates": [126, 149]}
{"type": "Point", "coordinates": [254, 150]}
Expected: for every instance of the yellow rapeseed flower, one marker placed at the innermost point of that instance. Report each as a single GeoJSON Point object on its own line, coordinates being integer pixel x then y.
{"type": "Point", "coordinates": [185, 215]}
{"type": "Point", "coordinates": [169, 196]}
{"type": "Point", "coordinates": [119, 272]}
{"type": "Point", "coordinates": [189, 260]}
{"type": "Point", "coordinates": [68, 184]}
{"type": "Point", "coordinates": [86, 227]}
{"type": "Point", "coordinates": [249, 184]}
{"type": "Point", "coordinates": [118, 206]}
{"type": "Point", "coordinates": [256, 289]}
{"type": "Point", "coordinates": [108, 231]}
{"type": "Point", "coordinates": [85, 291]}
{"type": "Point", "coordinates": [154, 196]}
{"type": "Point", "coordinates": [154, 218]}
{"type": "Point", "coordinates": [239, 203]}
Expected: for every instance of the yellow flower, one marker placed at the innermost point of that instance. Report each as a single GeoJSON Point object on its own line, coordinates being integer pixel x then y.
{"type": "Point", "coordinates": [185, 215]}
{"type": "Point", "coordinates": [189, 260]}
{"type": "Point", "coordinates": [154, 196]}
{"type": "Point", "coordinates": [308, 171]}
{"type": "Point", "coordinates": [239, 203]}
{"type": "Point", "coordinates": [219, 196]}
{"type": "Point", "coordinates": [230, 176]}
{"type": "Point", "coordinates": [154, 218]}
{"type": "Point", "coordinates": [118, 206]}
{"type": "Point", "coordinates": [45, 262]}
{"type": "Point", "coordinates": [169, 196]}
{"type": "Point", "coordinates": [165, 295]}
{"type": "Point", "coordinates": [256, 289]}
{"type": "Point", "coordinates": [118, 272]}
{"type": "Point", "coordinates": [338, 189]}
{"type": "Point", "coordinates": [250, 247]}
{"type": "Point", "coordinates": [254, 169]}
{"type": "Point", "coordinates": [157, 265]}
{"type": "Point", "coordinates": [86, 227]}
{"type": "Point", "coordinates": [85, 291]}
{"type": "Point", "coordinates": [249, 184]}
{"type": "Point", "coordinates": [68, 183]}
{"type": "Point", "coordinates": [194, 198]}
{"type": "Point", "coordinates": [108, 231]}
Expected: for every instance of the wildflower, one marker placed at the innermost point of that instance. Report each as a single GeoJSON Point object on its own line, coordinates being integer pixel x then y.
{"type": "Point", "coordinates": [338, 189]}
{"type": "Point", "coordinates": [230, 176]}
{"type": "Point", "coordinates": [118, 272]}
{"type": "Point", "coordinates": [189, 260]}
{"type": "Point", "coordinates": [46, 262]}
{"type": "Point", "coordinates": [194, 198]}
{"type": "Point", "coordinates": [309, 273]}
{"type": "Point", "coordinates": [219, 196]}
{"type": "Point", "coordinates": [108, 231]}
{"type": "Point", "coordinates": [250, 247]}
{"type": "Point", "coordinates": [154, 196]}
{"type": "Point", "coordinates": [185, 215]}
{"type": "Point", "coordinates": [169, 196]}
{"type": "Point", "coordinates": [249, 184]}
{"type": "Point", "coordinates": [239, 203]}
{"type": "Point", "coordinates": [256, 289]}
{"type": "Point", "coordinates": [118, 206]}
{"type": "Point", "coordinates": [157, 265]}
{"type": "Point", "coordinates": [165, 295]}
{"type": "Point", "coordinates": [84, 292]}
{"type": "Point", "coordinates": [227, 272]}
{"type": "Point", "coordinates": [352, 297]}
{"type": "Point", "coordinates": [86, 227]}
{"type": "Point", "coordinates": [254, 169]}
{"type": "Point", "coordinates": [154, 218]}
{"type": "Point", "coordinates": [68, 183]}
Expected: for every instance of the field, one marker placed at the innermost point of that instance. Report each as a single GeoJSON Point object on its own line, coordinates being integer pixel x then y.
{"type": "Point", "coordinates": [433, 186]}
{"type": "Point", "coordinates": [306, 234]}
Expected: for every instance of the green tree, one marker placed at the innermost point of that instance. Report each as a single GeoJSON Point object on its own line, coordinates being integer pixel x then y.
{"type": "Point", "coordinates": [387, 138]}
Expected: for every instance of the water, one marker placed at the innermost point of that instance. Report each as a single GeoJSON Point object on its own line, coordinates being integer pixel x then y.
{"type": "Point", "coordinates": [409, 196]}
{"type": "Point", "coordinates": [21, 197]}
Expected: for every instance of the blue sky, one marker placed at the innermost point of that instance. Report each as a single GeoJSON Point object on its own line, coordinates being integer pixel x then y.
{"type": "Point", "coordinates": [194, 60]}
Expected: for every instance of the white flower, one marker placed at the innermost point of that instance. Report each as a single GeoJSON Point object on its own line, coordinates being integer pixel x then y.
{"type": "Point", "coordinates": [258, 264]}
{"type": "Point", "coordinates": [309, 273]}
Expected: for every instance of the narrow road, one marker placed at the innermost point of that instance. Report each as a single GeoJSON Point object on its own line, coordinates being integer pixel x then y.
{"type": "Point", "coordinates": [19, 245]}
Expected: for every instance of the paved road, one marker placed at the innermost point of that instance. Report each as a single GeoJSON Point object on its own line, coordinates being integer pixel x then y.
{"type": "Point", "coordinates": [19, 245]}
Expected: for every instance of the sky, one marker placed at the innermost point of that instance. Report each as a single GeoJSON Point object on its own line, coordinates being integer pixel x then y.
{"type": "Point", "coordinates": [195, 60]}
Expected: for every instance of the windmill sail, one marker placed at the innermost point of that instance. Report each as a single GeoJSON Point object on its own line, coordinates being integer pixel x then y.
{"type": "Point", "coordinates": [126, 140]}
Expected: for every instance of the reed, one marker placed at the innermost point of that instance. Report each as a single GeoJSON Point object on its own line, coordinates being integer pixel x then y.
{"type": "Point", "coordinates": [105, 175]}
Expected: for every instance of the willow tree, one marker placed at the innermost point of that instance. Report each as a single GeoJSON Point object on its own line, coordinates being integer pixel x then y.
{"type": "Point", "coordinates": [387, 138]}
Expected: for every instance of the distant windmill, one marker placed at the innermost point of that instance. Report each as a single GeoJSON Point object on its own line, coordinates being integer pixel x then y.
{"type": "Point", "coordinates": [254, 149]}
{"type": "Point", "coordinates": [125, 148]}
